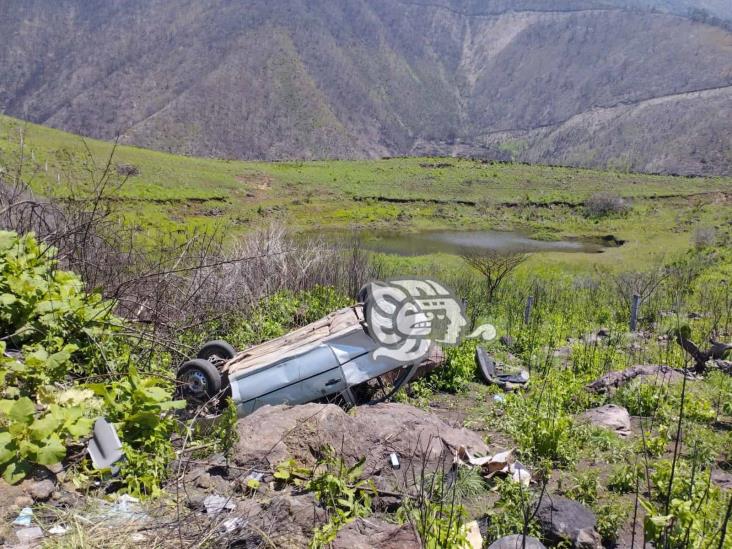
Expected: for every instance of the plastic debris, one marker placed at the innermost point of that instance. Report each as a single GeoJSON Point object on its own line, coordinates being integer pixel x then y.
{"type": "Point", "coordinates": [216, 504]}
{"type": "Point", "coordinates": [126, 508]}
{"type": "Point", "coordinates": [24, 518]}
{"type": "Point", "coordinates": [474, 537]}
{"type": "Point", "coordinates": [394, 459]}
{"type": "Point", "coordinates": [58, 530]}
{"type": "Point", "coordinates": [105, 447]}
{"type": "Point", "coordinates": [499, 398]}
{"type": "Point", "coordinates": [503, 463]}
{"type": "Point", "coordinates": [496, 373]}
{"type": "Point", "coordinates": [233, 524]}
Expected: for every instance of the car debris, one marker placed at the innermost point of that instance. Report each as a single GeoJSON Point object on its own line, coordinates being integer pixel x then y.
{"type": "Point", "coordinates": [105, 447]}
{"type": "Point", "coordinates": [495, 373]}
{"type": "Point", "coordinates": [24, 518]}
{"type": "Point", "coordinates": [502, 463]}
{"type": "Point", "coordinates": [327, 359]}
{"type": "Point", "coordinates": [216, 504]}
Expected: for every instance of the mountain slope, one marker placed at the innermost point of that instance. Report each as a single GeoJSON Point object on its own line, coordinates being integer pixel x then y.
{"type": "Point", "coordinates": [556, 81]}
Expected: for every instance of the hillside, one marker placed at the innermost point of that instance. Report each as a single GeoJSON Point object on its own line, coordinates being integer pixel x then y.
{"type": "Point", "coordinates": [640, 85]}
{"type": "Point", "coordinates": [404, 195]}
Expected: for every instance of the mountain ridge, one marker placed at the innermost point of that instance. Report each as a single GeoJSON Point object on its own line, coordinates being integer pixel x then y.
{"type": "Point", "coordinates": [358, 79]}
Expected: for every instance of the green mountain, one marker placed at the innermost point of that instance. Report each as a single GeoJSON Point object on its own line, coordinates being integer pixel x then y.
{"type": "Point", "coordinates": [642, 85]}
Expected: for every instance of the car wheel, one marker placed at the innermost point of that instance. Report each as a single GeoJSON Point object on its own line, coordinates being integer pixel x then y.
{"type": "Point", "coordinates": [198, 380]}
{"type": "Point", "coordinates": [216, 351]}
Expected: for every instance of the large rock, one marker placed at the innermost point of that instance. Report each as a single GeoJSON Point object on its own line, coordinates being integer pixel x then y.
{"type": "Point", "coordinates": [367, 533]}
{"type": "Point", "coordinates": [564, 519]}
{"type": "Point", "coordinates": [610, 416]}
{"type": "Point", "coordinates": [516, 542]}
{"type": "Point", "coordinates": [659, 373]}
{"type": "Point", "coordinates": [274, 434]}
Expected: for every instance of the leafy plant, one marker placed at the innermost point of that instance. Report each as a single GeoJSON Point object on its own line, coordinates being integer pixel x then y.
{"type": "Point", "coordinates": [610, 517]}
{"type": "Point", "coordinates": [141, 409]}
{"type": "Point", "coordinates": [59, 332]}
{"type": "Point", "coordinates": [341, 491]}
{"type": "Point", "coordinates": [439, 522]}
{"type": "Point", "coordinates": [624, 477]}
{"type": "Point", "coordinates": [584, 488]}
{"type": "Point", "coordinates": [509, 515]}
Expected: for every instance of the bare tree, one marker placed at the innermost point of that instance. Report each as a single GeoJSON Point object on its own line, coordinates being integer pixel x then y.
{"type": "Point", "coordinates": [494, 266]}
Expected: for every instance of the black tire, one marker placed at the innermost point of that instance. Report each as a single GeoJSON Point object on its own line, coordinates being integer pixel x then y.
{"type": "Point", "coordinates": [216, 351]}
{"type": "Point", "coordinates": [198, 380]}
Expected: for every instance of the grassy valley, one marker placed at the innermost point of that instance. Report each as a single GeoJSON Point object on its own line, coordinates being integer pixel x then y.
{"type": "Point", "coordinates": [404, 194]}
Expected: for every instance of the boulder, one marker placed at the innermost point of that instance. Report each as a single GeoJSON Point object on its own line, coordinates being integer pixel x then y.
{"type": "Point", "coordinates": [366, 533]}
{"type": "Point", "coordinates": [273, 434]}
{"type": "Point", "coordinates": [563, 519]}
{"type": "Point", "coordinates": [290, 520]}
{"type": "Point", "coordinates": [516, 542]}
{"type": "Point", "coordinates": [39, 490]}
{"type": "Point", "coordinates": [613, 380]}
{"type": "Point", "coordinates": [610, 416]}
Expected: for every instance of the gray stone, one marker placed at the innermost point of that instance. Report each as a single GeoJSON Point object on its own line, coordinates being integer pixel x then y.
{"type": "Point", "coordinates": [564, 519]}
{"type": "Point", "coordinates": [610, 416]}
{"type": "Point", "coordinates": [41, 490]}
{"type": "Point", "coordinates": [366, 533]}
{"type": "Point", "coordinates": [273, 434]}
{"type": "Point", "coordinates": [516, 542]}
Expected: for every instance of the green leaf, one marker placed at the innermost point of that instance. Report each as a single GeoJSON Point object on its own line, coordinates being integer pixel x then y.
{"type": "Point", "coordinates": [7, 299]}
{"type": "Point", "coordinates": [81, 428]}
{"type": "Point", "coordinates": [16, 471]}
{"type": "Point", "coordinates": [7, 447]}
{"type": "Point", "coordinates": [52, 452]}
{"type": "Point", "coordinates": [22, 410]}
{"type": "Point", "coordinates": [43, 427]}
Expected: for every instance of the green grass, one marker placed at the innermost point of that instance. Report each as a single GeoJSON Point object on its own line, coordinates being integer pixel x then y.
{"type": "Point", "coordinates": [177, 192]}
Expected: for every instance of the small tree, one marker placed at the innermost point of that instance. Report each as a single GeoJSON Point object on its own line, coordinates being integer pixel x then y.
{"type": "Point", "coordinates": [494, 266]}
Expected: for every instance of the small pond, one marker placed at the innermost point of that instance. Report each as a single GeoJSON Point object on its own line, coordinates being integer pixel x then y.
{"type": "Point", "coordinates": [462, 242]}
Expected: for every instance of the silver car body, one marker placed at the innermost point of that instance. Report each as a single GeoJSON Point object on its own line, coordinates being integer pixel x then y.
{"type": "Point", "coordinates": [322, 359]}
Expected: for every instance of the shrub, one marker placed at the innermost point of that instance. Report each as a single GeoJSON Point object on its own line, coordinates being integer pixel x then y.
{"type": "Point", "coordinates": [59, 334]}
{"type": "Point", "coordinates": [606, 204]}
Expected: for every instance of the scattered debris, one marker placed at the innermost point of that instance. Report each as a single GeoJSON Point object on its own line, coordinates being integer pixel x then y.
{"type": "Point", "coordinates": [25, 517]}
{"type": "Point", "coordinates": [233, 524]}
{"type": "Point", "coordinates": [216, 504]}
{"type": "Point", "coordinates": [105, 447]}
{"type": "Point", "coordinates": [613, 417]}
{"type": "Point", "coordinates": [58, 530]}
{"type": "Point", "coordinates": [503, 463]}
{"type": "Point", "coordinates": [563, 519]}
{"type": "Point", "coordinates": [494, 372]}
{"type": "Point", "coordinates": [613, 380]}
{"type": "Point", "coordinates": [394, 459]}
{"type": "Point", "coordinates": [517, 541]}
{"type": "Point", "coordinates": [475, 538]}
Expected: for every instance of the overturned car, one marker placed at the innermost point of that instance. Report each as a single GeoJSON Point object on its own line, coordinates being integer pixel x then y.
{"type": "Point", "coordinates": [331, 359]}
